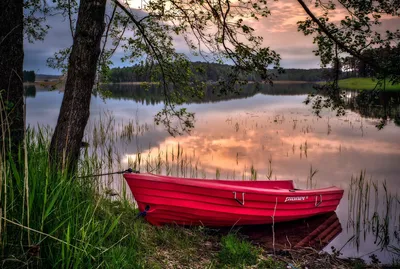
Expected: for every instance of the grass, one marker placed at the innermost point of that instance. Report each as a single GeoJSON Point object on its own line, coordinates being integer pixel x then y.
{"type": "Point", "coordinates": [239, 253]}
{"type": "Point", "coordinates": [236, 253]}
{"type": "Point", "coordinates": [40, 224]}
{"type": "Point", "coordinates": [372, 210]}
{"type": "Point", "coordinates": [54, 220]}
{"type": "Point", "coordinates": [57, 221]}
{"type": "Point", "coordinates": [366, 84]}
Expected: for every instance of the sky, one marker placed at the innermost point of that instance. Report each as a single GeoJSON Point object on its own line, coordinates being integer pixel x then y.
{"type": "Point", "coordinates": [279, 31]}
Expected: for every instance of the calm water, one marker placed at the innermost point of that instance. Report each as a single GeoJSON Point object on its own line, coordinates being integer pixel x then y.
{"type": "Point", "coordinates": [273, 132]}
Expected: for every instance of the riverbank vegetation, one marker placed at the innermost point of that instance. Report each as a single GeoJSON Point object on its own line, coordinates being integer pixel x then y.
{"type": "Point", "coordinates": [59, 218]}
{"type": "Point", "coordinates": [213, 72]}
{"type": "Point", "coordinates": [367, 84]}
{"type": "Point", "coordinates": [29, 76]}
{"type": "Point", "coordinates": [40, 227]}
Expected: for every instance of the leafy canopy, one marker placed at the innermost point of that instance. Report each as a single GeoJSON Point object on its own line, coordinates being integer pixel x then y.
{"type": "Point", "coordinates": [358, 33]}
{"type": "Point", "coordinates": [216, 30]}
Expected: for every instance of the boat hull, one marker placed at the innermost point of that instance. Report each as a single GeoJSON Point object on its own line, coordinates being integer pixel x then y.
{"type": "Point", "coordinates": [226, 203]}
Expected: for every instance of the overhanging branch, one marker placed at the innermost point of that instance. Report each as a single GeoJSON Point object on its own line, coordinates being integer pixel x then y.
{"type": "Point", "coordinates": [340, 44]}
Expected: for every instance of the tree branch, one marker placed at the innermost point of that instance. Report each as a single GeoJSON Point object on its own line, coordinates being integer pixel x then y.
{"type": "Point", "coordinates": [341, 45]}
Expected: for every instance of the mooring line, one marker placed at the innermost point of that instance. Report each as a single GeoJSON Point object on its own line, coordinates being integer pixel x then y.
{"type": "Point", "coordinates": [129, 170]}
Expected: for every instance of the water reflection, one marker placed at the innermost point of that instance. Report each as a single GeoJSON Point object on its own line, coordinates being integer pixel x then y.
{"type": "Point", "coordinates": [376, 104]}
{"type": "Point", "coordinates": [30, 91]}
{"type": "Point", "coordinates": [381, 105]}
{"type": "Point", "coordinates": [266, 133]}
{"type": "Point", "coordinates": [154, 95]}
{"type": "Point", "coordinates": [316, 232]}
{"type": "Point", "coordinates": [373, 212]}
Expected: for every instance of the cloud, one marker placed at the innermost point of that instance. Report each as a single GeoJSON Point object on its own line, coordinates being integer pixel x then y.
{"type": "Point", "coordinates": [37, 53]}
{"type": "Point", "coordinates": [279, 31]}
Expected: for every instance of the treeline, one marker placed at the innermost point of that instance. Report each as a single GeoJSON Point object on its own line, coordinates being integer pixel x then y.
{"type": "Point", "coordinates": [386, 56]}
{"type": "Point", "coordinates": [383, 105]}
{"type": "Point", "coordinates": [311, 75]}
{"type": "Point", "coordinates": [29, 76]}
{"type": "Point", "coordinates": [154, 95]}
{"type": "Point", "coordinates": [348, 67]}
{"type": "Point", "coordinates": [212, 72]}
{"type": "Point", "coordinates": [139, 73]}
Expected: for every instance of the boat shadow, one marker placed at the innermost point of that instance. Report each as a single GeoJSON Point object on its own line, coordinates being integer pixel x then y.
{"type": "Point", "coordinates": [315, 232]}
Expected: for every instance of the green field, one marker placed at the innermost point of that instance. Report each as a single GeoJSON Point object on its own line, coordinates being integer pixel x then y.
{"type": "Point", "coordinates": [365, 84]}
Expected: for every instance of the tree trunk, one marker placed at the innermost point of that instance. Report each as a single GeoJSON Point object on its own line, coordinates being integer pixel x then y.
{"type": "Point", "coordinates": [74, 112]}
{"type": "Point", "coordinates": [11, 75]}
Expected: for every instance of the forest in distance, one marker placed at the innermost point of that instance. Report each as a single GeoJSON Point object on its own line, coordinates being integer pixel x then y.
{"type": "Point", "coordinates": [381, 105]}
{"type": "Point", "coordinates": [214, 72]}
{"type": "Point", "coordinates": [209, 72]}
{"type": "Point", "coordinates": [204, 71]}
{"type": "Point", "coordinates": [347, 67]}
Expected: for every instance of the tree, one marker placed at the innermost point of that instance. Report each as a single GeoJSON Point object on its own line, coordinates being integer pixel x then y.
{"type": "Point", "coordinates": [74, 112]}
{"type": "Point", "coordinates": [29, 76]}
{"type": "Point", "coordinates": [14, 26]}
{"type": "Point", "coordinates": [151, 44]}
{"type": "Point", "coordinates": [357, 34]}
{"type": "Point", "coordinates": [351, 66]}
{"type": "Point", "coordinates": [11, 74]}
{"type": "Point", "coordinates": [217, 31]}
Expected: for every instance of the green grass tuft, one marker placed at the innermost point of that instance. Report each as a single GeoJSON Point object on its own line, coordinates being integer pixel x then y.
{"type": "Point", "coordinates": [366, 84]}
{"type": "Point", "coordinates": [236, 253]}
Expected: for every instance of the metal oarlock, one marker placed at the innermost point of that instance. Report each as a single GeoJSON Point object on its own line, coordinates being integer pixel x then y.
{"type": "Point", "coordinates": [240, 202]}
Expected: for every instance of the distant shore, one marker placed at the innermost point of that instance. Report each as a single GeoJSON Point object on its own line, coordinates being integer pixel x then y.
{"type": "Point", "coordinates": [57, 82]}
{"type": "Point", "coordinates": [275, 82]}
{"type": "Point", "coordinates": [44, 83]}
{"type": "Point", "coordinates": [293, 82]}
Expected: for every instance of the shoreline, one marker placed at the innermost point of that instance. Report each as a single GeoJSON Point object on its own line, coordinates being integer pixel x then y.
{"type": "Point", "coordinates": [61, 83]}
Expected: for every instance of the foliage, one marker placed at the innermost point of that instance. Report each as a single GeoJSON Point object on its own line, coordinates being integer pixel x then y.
{"type": "Point", "coordinates": [236, 253]}
{"type": "Point", "coordinates": [383, 105]}
{"type": "Point", "coordinates": [40, 210]}
{"type": "Point", "coordinates": [211, 72]}
{"type": "Point", "coordinates": [387, 56]}
{"type": "Point", "coordinates": [357, 32]}
{"type": "Point", "coordinates": [29, 76]}
{"type": "Point", "coordinates": [220, 32]}
{"type": "Point", "coordinates": [150, 94]}
{"type": "Point", "coordinates": [354, 33]}
{"type": "Point", "coordinates": [30, 91]}
{"type": "Point", "coordinates": [51, 221]}
{"type": "Point", "coordinates": [366, 84]}
{"type": "Point", "coordinates": [35, 27]}
{"type": "Point", "coordinates": [217, 31]}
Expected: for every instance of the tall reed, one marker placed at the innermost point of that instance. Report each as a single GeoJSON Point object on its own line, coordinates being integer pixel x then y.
{"type": "Point", "coordinates": [55, 219]}
{"type": "Point", "coordinates": [372, 211]}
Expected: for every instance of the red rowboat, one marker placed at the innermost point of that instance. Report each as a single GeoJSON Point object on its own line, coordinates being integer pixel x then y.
{"type": "Point", "coordinates": [187, 201]}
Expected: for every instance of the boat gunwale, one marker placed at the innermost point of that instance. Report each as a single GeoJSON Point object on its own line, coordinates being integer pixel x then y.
{"type": "Point", "coordinates": [202, 183]}
{"type": "Point", "coordinates": [272, 204]}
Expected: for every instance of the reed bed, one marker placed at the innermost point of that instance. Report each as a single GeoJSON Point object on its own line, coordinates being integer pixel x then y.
{"type": "Point", "coordinates": [373, 210]}
{"type": "Point", "coordinates": [39, 223]}
{"type": "Point", "coordinates": [55, 220]}
{"type": "Point", "coordinates": [63, 220]}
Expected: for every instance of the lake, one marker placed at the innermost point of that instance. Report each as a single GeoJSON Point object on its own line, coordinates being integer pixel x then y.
{"type": "Point", "coordinates": [264, 133]}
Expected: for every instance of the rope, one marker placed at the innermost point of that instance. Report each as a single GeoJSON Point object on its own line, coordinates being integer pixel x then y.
{"type": "Point", "coordinates": [143, 213]}
{"type": "Point", "coordinates": [129, 170]}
